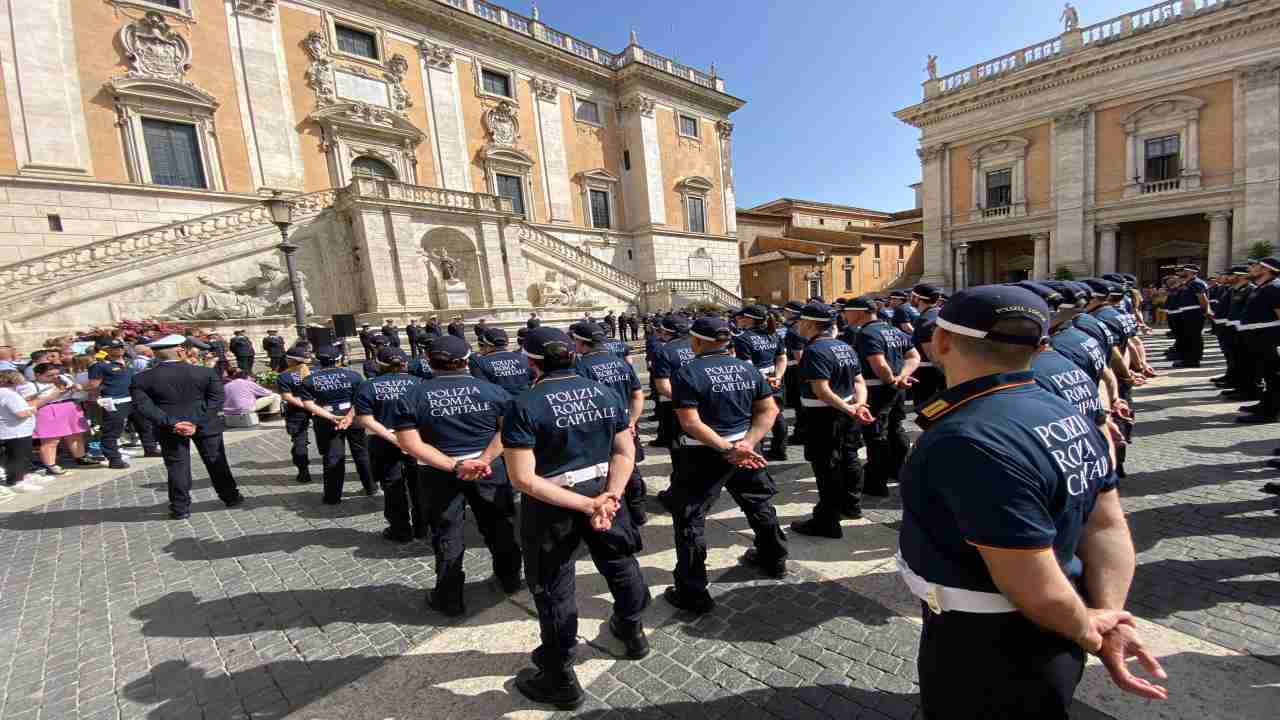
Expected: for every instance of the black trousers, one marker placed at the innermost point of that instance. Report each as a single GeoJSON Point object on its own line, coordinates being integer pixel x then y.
{"type": "Point", "coordinates": [278, 363]}
{"type": "Point", "coordinates": [17, 459]}
{"type": "Point", "coordinates": [886, 439]}
{"type": "Point", "coordinates": [1266, 358]}
{"type": "Point", "coordinates": [550, 535]}
{"type": "Point", "coordinates": [333, 452]}
{"type": "Point", "coordinates": [832, 440]}
{"type": "Point", "coordinates": [176, 451]}
{"type": "Point", "coordinates": [1002, 665]}
{"type": "Point", "coordinates": [929, 382]}
{"type": "Point", "coordinates": [791, 384]}
{"type": "Point", "coordinates": [704, 473]}
{"type": "Point", "coordinates": [1190, 340]}
{"type": "Point", "coordinates": [493, 503]}
{"type": "Point", "coordinates": [112, 428]}
{"type": "Point", "coordinates": [405, 502]}
{"type": "Point", "coordinates": [245, 363]}
{"type": "Point", "coordinates": [668, 425]}
{"type": "Point", "coordinates": [297, 424]}
{"type": "Point", "coordinates": [778, 436]}
{"type": "Point", "coordinates": [1175, 327]}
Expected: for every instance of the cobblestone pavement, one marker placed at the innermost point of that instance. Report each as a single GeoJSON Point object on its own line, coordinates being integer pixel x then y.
{"type": "Point", "coordinates": [290, 608]}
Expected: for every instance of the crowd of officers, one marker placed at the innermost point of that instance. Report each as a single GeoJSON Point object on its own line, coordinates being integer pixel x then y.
{"type": "Point", "coordinates": [1012, 535]}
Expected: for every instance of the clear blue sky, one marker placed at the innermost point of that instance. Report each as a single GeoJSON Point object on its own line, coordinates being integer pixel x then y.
{"type": "Point", "coordinates": [822, 78]}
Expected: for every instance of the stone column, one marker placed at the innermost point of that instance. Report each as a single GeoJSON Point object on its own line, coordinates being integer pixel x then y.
{"type": "Point", "coordinates": [934, 249]}
{"type": "Point", "coordinates": [1040, 266]}
{"type": "Point", "coordinates": [498, 290]}
{"type": "Point", "coordinates": [449, 134]}
{"type": "Point", "coordinates": [1262, 174]}
{"type": "Point", "coordinates": [989, 263]}
{"type": "Point", "coordinates": [962, 266]}
{"type": "Point", "coordinates": [257, 54]}
{"type": "Point", "coordinates": [724, 129]}
{"type": "Point", "coordinates": [1219, 241]}
{"type": "Point", "coordinates": [1069, 241]}
{"type": "Point", "coordinates": [1127, 262]}
{"type": "Point", "coordinates": [555, 166]}
{"type": "Point", "coordinates": [1106, 249]}
{"type": "Point", "coordinates": [644, 185]}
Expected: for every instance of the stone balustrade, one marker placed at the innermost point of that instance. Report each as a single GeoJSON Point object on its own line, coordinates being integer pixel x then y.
{"type": "Point", "coordinates": [23, 279]}
{"type": "Point", "coordinates": [578, 258]}
{"type": "Point", "coordinates": [695, 287]}
{"type": "Point", "coordinates": [535, 29]}
{"type": "Point", "coordinates": [1142, 20]}
{"type": "Point", "coordinates": [378, 189]}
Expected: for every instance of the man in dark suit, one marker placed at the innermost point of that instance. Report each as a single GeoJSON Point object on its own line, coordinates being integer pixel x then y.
{"type": "Point", "coordinates": [185, 404]}
{"type": "Point", "coordinates": [391, 333]}
{"type": "Point", "coordinates": [457, 328]}
{"type": "Point", "coordinates": [274, 345]}
{"type": "Point", "coordinates": [242, 349]}
{"type": "Point", "coordinates": [413, 332]}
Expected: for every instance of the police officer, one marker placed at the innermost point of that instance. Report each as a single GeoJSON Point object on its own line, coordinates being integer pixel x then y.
{"type": "Point", "coordinates": [450, 426]}
{"type": "Point", "coordinates": [375, 406]}
{"type": "Point", "coordinates": [457, 328]}
{"type": "Point", "coordinates": [369, 368]}
{"type": "Point", "coordinates": [241, 348]}
{"type": "Point", "coordinates": [327, 394]}
{"type": "Point", "coordinates": [184, 402]}
{"type": "Point", "coordinates": [905, 314]}
{"type": "Point", "coordinates": [759, 344]}
{"type": "Point", "coordinates": [888, 360]}
{"type": "Point", "coordinates": [725, 406]}
{"type": "Point", "coordinates": [1260, 334]}
{"type": "Point", "coordinates": [113, 379]}
{"type": "Point", "coordinates": [1193, 306]}
{"type": "Point", "coordinates": [569, 449]}
{"type": "Point", "coordinates": [391, 332]}
{"type": "Point", "coordinates": [671, 356]}
{"type": "Point", "coordinates": [1074, 377]}
{"type": "Point", "coordinates": [596, 362]}
{"type": "Point", "coordinates": [834, 397]}
{"type": "Point", "coordinates": [508, 369]}
{"type": "Point", "coordinates": [794, 345]}
{"type": "Point", "coordinates": [1009, 504]}
{"type": "Point", "coordinates": [928, 301]}
{"type": "Point", "coordinates": [1080, 348]}
{"type": "Point", "coordinates": [273, 345]}
{"type": "Point", "coordinates": [1244, 384]}
{"type": "Point", "coordinates": [412, 332]}
{"type": "Point", "coordinates": [297, 419]}
{"type": "Point", "coordinates": [618, 347]}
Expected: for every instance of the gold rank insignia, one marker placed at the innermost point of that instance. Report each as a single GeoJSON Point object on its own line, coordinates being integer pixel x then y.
{"type": "Point", "coordinates": [935, 408]}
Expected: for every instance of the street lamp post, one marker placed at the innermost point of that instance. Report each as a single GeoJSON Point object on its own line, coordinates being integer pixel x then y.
{"type": "Point", "coordinates": [822, 266]}
{"type": "Point", "coordinates": [282, 215]}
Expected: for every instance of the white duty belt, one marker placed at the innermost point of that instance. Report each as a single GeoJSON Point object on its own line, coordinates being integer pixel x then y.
{"type": "Point", "coordinates": [687, 441]}
{"type": "Point", "coordinates": [468, 456]}
{"type": "Point", "coordinates": [575, 477]}
{"type": "Point", "coordinates": [815, 402]}
{"type": "Point", "coordinates": [941, 598]}
{"type": "Point", "coordinates": [767, 370]}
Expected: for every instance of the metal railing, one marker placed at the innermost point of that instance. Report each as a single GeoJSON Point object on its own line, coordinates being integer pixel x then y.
{"type": "Point", "coordinates": [25, 278]}
{"type": "Point", "coordinates": [1142, 20]}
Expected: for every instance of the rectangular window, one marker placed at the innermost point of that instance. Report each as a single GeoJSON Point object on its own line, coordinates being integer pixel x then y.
{"type": "Point", "coordinates": [356, 42]}
{"type": "Point", "coordinates": [175, 4]}
{"type": "Point", "coordinates": [697, 215]}
{"type": "Point", "coordinates": [875, 268]}
{"type": "Point", "coordinates": [1162, 158]}
{"type": "Point", "coordinates": [496, 83]}
{"type": "Point", "coordinates": [848, 275]}
{"type": "Point", "coordinates": [999, 188]}
{"type": "Point", "coordinates": [512, 188]}
{"type": "Point", "coordinates": [877, 251]}
{"type": "Point", "coordinates": [55, 223]}
{"type": "Point", "coordinates": [599, 209]}
{"type": "Point", "coordinates": [588, 112]}
{"type": "Point", "coordinates": [688, 126]}
{"type": "Point", "coordinates": [173, 152]}
{"type": "Point", "coordinates": [626, 159]}
{"type": "Point", "coordinates": [902, 267]}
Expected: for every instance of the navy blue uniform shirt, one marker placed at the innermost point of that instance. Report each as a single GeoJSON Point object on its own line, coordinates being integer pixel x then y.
{"type": "Point", "coordinates": [826, 358]}
{"type": "Point", "coordinates": [1259, 314]}
{"type": "Point", "coordinates": [116, 377]}
{"type": "Point", "coordinates": [1190, 299]}
{"type": "Point", "coordinates": [1096, 329]}
{"type": "Point", "coordinates": [923, 332]}
{"type": "Point", "coordinates": [1082, 349]}
{"type": "Point", "coordinates": [1062, 377]}
{"type": "Point", "coordinates": [567, 420]}
{"type": "Point", "coordinates": [456, 414]}
{"type": "Point", "coordinates": [609, 369]}
{"type": "Point", "coordinates": [879, 338]}
{"type": "Point", "coordinates": [420, 368]}
{"type": "Point", "coordinates": [378, 396]}
{"type": "Point", "coordinates": [1016, 468]}
{"type": "Point", "coordinates": [507, 369]}
{"type": "Point", "coordinates": [1124, 327]}
{"type": "Point", "coordinates": [723, 389]}
{"type": "Point", "coordinates": [333, 388]}
{"type": "Point", "coordinates": [671, 357]}
{"type": "Point", "coordinates": [904, 314]}
{"type": "Point", "coordinates": [369, 367]}
{"type": "Point", "coordinates": [290, 382]}
{"type": "Point", "coordinates": [794, 343]}
{"type": "Point", "coordinates": [885, 314]}
{"type": "Point", "coordinates": [619, 348]}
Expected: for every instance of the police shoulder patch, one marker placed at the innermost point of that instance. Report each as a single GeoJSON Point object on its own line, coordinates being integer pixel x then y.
{"type": "Point", "coordinates": [935, 408]}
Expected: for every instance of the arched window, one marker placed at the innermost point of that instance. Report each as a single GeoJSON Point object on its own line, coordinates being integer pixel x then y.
{"type": "Point", "coordinates": [370, 167]}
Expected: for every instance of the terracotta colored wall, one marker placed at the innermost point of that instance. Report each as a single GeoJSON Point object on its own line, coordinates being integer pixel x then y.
{"type": "Point", "coordinates": [961, 183]}
{"type": "Point", "coordinates": [589, 148]}
{"type": "Point", "coordinates": [1150, 233]}
{"type": "Point", "coordinates": [1216, 140]}
{"type": "Point", "coordinates": [295, 25]}
{"type": "Point", "coordinates": [8, 157]}
{"type": "Point", "coordinates": [771, 276]}
{"type": "Point", "coordinates": [473, 109]}
{"type": "Point", "coordinates": [99, 58]}
{"type": "Point", "coordinates": [1038, 163]}
{"type": "Point", "coordinates": [683, 158]}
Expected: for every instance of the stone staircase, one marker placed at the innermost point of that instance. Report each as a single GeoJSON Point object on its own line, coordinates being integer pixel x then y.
{"type": "Point", "coordinates": [554, 248]}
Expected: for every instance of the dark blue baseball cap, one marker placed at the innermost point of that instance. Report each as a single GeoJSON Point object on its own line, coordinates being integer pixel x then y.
{"type": "Point", "coordinates": [818, 312]}
{"type": "Point", "coordinates": [449, 348]}
{"type": "Point", "coordinates": [588, 332]}
{"type": "Point", "coordinates": [793, 306]}
{"type": "Point", "coordinates": [756, 312]}
{"type": "Point", "coordinates": [1071, 294]}
{"type": "Point", "coordinates": [543, 340]}
{"type": "Point", "coordinates": [391, 356]}
{"type": "Point", "coordinates": [1104, 288]}
{"type": "Point", "coordinates": [899, 294]}
{"type": "Point", "coordinates": [860, 303]}
{"type": "Point", "coordinates": [300, 352]}
{"type": "Point", "coordinates": [328, 352]}
{"type": "Point", "coordinates": [1271, 263]}
{"type": "Point", "coordinates": [927, 291]}
{"type": "Point", "coordinates": [676, 324]}
{"type": "Point", "coordinates": [1115, 278]}
{"type": "Point", "coordinates": [1051, 297]}
{"type": "Point", "coordinates": [378, 339]}
{"type": "Point", "coordinates": [974, 312]}
{"type": "Point", "coordinates": [711, 329]}
{"type": "Point", "coordinates": [1239, 269]}
{"type": "Point", "coordinates": [494, 337]}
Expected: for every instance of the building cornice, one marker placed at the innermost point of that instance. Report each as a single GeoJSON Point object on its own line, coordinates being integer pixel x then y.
{"type": "Point", "coordinates": [1213, 29]}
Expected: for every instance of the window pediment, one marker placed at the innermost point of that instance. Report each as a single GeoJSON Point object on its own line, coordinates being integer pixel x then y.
{"type": "Point", "coordinates": [695, 184]}
{"type": "Point", "coordinates": [1001, 149]}
{"type": "Point", "coordinates": [598, 175]}
{"type": "Point", "coordinates": [1173, 109]}
{"type": "Point", "coordinates": [174, 92]}
{"type": "Point", "coordinates": [366, 119]}
{"type": "Point", "coordinates": [506, 155]}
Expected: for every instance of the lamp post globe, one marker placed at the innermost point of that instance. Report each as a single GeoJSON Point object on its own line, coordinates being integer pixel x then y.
{"type": "Point", "coordinates": [281, 211]}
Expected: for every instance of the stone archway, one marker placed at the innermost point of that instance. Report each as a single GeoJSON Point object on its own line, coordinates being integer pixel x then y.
{"type": "Point", "coordinates": [453, 269]}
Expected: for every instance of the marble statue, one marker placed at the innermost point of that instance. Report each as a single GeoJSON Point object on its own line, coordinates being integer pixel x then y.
{"type": "Point", "coordinates": [1070, 18]}
{"type": "Point", "coordinates": [270, 293]}
{"type": "Point", "coordinates": [551, 292]}
{"type": "Point", "coordinates": [932, 67]}
{"type": "Point", "coordinates": [448, 267]}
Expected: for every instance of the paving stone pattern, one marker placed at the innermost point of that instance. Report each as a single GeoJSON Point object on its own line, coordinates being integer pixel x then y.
{"type": "Point", "coordinates": [110, 610]}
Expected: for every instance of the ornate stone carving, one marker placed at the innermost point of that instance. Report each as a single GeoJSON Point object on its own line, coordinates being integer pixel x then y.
{"type": "Point", "coordinates": [270, 293]}
{"type": "Point", "coordinates": [931, 67]}
{"type": "Point", "coordinates": [1262, 74]}
{"type": "Point", "coordinates": [436, 56]}
{"type": "Point", "coordinates": [725, 128]}
{"type": "Point", "coordinates": [552, 292]}
{"type": "Point", "coordinates": [929, 153]}
{"type": "Point", "coordinates": [319, 75]}
{"type": "Point", "coordinates": [1071, 118]}
{"type": "Point", "coordinates": [544, 89]}
{"type": "Point", "coordinates": [397, 67]}
{"type": "Point", "coordinates": [1070, 18]}
{"type": "Point", "coordinates": [501, 122]}
{"type": "Point", "coordinates": [265, 9]}
{"type": "Point", "coordinates": [642, 104]}
{"type": "Point", "coordinates": [155, 50]}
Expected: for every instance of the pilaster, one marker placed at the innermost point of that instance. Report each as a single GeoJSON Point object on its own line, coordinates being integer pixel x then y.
{"type": "Point", "coordinates": [936, 249]}
{"type": "Point", "coordinates": [262, 82]}
{"type": "Point", "coordinates": [1040, 258]}
{"type": "Point", "coordinates": [555, 166]}
{"type": "Point", "coordinates": [1069, 248]}
{"type": "Point", "coordinates": [1262, 174]}
{"type": "Point", "coordinates": [449, 135]}
{"type": "Point", "coordinates": [644, 183]}
{"type": "Point", "coordinates": [1106, 262]}
{"type": "Point", "coordinates": [724, 130]}
{"type": "Point", "coordinates": [1219, 241]}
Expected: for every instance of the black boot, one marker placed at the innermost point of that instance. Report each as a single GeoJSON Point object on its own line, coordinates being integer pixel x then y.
{"type": "Point", "coordinates": [682, 602]}
{"type": "Point", "coordinates": [774, 568]}
{"type": "Point", "coordinates": [562, 692]}
{"type": "Point", "coordinates": [304, 476]}
{"type": "Point", "coordinates": [636, 643]}
{"type": "Point", "coordinates": [451, 609]}
{"type": "Point", "coordinates": [813, 528]}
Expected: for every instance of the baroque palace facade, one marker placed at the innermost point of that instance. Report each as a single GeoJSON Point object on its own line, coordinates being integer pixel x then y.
{"type": "Point", "coordinates": [442, 156]}
{"type": "Point", "coordinates": [1121, 146]}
